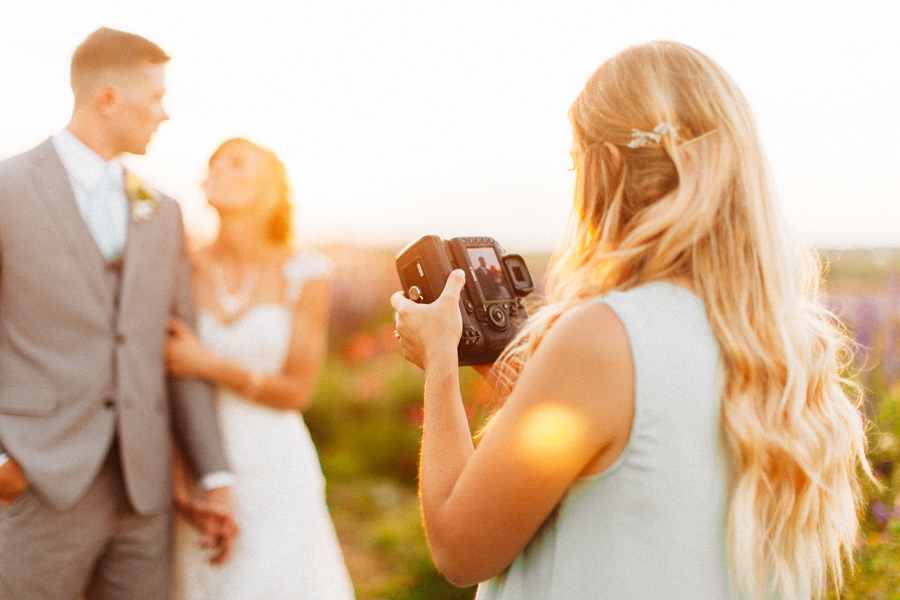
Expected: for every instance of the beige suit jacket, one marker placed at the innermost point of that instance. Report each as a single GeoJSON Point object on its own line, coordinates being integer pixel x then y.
{"type": "Point", "coordinates": [80, 367]}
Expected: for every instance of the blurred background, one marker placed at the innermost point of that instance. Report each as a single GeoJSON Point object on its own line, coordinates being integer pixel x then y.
{"type": "Point", "coordinates": [399, 118]}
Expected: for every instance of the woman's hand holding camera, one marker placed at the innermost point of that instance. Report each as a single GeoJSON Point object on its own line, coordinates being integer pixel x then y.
{"type": "Point", "coordinates": [429, 331]}
{"type": "Point", "coordinates": [436, 327]}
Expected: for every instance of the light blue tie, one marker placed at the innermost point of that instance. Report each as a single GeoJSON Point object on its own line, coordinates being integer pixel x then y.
{"type": "Point", "coordinates": [99, 217]}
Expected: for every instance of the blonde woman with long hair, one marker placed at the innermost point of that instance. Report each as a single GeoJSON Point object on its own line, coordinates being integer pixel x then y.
{"type": "Point", "coordinates": [681, 427]}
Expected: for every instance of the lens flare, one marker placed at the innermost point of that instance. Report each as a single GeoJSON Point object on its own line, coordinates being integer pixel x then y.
{"type": "Point", "coordinates": [550, 434]}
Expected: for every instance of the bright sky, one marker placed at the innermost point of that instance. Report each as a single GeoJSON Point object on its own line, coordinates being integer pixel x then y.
{"type": "Point", "coordinates": [400, 118]}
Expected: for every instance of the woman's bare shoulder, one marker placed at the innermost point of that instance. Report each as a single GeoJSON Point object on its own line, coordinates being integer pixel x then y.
{"type": "Point", "coordinates": [590, 330]}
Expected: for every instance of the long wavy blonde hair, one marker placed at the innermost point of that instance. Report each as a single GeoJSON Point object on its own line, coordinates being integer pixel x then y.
{"type": "Point", "coordinates": [698, 204]}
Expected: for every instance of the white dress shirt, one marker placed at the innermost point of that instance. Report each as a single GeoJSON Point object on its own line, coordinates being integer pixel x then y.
{"type": "Point", "coordinates": [85, 169]}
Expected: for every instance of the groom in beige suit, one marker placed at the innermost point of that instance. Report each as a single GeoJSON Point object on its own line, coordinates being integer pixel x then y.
{"type": "Point", "coordinates": [92, 267]}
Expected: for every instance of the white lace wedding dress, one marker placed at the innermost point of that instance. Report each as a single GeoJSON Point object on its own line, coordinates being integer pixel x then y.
{"type": "Point", "coordinates": [287, 548]}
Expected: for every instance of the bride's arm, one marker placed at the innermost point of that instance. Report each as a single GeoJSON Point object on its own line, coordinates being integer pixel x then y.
{"type": "Point", "coordinates": [294, 386]}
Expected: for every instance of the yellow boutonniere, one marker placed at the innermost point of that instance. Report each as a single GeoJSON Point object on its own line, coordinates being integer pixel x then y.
{"type": "Point", "coordinates": [143, 202]}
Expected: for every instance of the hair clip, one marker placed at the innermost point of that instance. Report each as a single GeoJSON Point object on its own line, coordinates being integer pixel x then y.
{"type": "Point", "coordinates": [639, 138]}
{"type": "Point", "coordinates": [700, 137]}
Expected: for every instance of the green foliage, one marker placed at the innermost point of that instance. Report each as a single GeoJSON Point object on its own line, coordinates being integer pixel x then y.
{"type": "Point", "coordinates": [876, 572]}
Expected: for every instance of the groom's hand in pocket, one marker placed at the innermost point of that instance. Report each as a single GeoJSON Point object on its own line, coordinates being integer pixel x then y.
{"type": "Point", "coordinates": [12, 481]}
{"type": "Point", "coordinates": [216, 517]}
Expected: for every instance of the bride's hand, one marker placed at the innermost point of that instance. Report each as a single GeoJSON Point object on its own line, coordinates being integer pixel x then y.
{"type": "Point", "coordinates": [425, 330]}
{"type": "Point", "coordinates": [185, 355]}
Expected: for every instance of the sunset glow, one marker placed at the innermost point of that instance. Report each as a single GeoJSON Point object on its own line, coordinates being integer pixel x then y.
{"type": "Point", "coordinates": [398, 119]}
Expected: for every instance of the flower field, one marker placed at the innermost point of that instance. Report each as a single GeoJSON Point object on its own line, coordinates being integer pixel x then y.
{"type": "Point", "coordinates": [863, 288]}
{"type": "Point", "coordinates": [367, 412]}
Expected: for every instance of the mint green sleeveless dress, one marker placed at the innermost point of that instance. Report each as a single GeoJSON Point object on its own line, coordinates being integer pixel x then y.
{"type": "Point", "coordinates": [651, 526]}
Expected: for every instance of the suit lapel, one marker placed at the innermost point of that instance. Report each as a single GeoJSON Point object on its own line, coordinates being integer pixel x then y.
{"type": "Point", "coordinates": [137, 247]}
{"type": "Point", "coordinates": [55, 193]}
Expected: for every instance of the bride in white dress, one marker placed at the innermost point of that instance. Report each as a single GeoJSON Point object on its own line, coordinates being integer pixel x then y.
{"type": "Point", "coordinates": [261, 339]}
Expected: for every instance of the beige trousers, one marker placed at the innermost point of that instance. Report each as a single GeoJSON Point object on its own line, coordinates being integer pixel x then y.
{"type": "Point", "coordinates": [99, 549]}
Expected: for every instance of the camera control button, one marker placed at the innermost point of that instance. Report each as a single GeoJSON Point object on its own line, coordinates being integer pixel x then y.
{"type": "Point", "coordinates": [469, 306]}
{"type": "Point", "coordinates": [480, 313]}
{"type": "Point", "coordinates": [415, 294]}
{"type": "Point", "coordinates": [498, 317]}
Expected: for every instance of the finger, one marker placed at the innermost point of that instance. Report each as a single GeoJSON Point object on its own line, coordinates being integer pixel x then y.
{"type": "Point", "coordinates": [221, 539]}
{"type": "Point", "coordinates": [455, 282]}
{"type": "Point", "coordinates": [397, 300]}
{"type": "Point", "coordinates": [213, 537]}
{"type": "Point", "coordinates": [223, 551]}
{"type": "Point", "coordinates": [231, 528]}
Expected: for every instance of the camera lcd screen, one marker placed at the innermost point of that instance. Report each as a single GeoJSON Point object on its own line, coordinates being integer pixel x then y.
{"type": "Point", "coordinates": [489, 273]}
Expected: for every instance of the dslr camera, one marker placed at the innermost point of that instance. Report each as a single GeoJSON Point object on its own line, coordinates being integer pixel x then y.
{"type": "Point", "coordinates": [491, 303]}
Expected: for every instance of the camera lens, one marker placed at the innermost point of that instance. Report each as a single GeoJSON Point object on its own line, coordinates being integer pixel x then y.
{"type": "Point", "coordinates": [498, 317]}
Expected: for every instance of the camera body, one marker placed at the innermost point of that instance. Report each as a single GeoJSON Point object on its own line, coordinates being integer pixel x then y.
{"type": "Point", "coordinates": [491, 303]}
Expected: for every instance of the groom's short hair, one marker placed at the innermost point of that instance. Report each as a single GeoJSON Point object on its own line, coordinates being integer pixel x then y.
{"type": "Point", "coordinates": [110, 49]}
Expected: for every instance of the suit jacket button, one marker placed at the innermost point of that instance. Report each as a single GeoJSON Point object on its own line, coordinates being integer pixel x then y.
{"type": "Point", "coordinates": [120, 338]}
{"type": "Point", "coordinates": [109, 403]}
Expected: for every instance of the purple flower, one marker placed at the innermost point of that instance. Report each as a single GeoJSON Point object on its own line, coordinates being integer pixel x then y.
{"type": "Point", "coordinates": [864, 323]}
{"type": "Point", "coordinates": [880, 513]}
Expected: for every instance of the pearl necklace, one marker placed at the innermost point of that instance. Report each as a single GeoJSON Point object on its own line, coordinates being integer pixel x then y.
{"type": "Point", "coordinates": [232, 303]}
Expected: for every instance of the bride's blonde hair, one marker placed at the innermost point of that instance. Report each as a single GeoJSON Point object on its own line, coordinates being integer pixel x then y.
{"type": "Point", "coordinates": [694, 200]}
